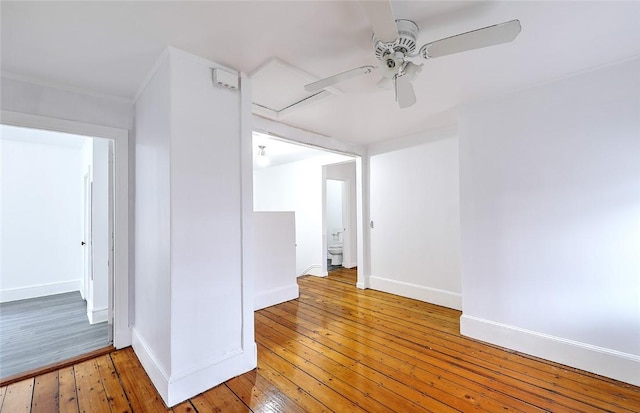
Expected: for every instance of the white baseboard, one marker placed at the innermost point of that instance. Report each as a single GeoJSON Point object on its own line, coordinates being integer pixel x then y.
{"type": "Point", "coordinates": [99, 315]}
{"type": "Point", "coordinates": [275, 296]}
{"type": "Point", "coordinates": [40, 290]}
{"type": "Point", "coordinates": [611, 363]}
{"type": "Point", "coordinates": [315, 270]}
{"type": "Point", "coordinates": [158, 375]}
{"type": "Point", "coordinates": [418, 292]}
{"type": "Point", "coordinates": [182, 385]}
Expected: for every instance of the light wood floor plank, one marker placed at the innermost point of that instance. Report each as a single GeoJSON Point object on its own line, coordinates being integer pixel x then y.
{"type": "Point", "coordinates": [67, 394]}
{"type": "Point", "coordinates": [140, 392]}
{"type": "Point", "coordinates": [289, 388]}
{"type": "Point", "coordinates": [18, 397]}
{"type": "Point", "coordinates": [340, 349]}
{"type": "Point", "coordinates": [219, 399]}
{"type": "Point", "coordinates": [344, 275]}
{"type": "Point", "coordinates": [113, 389]}
{"type": "Point", "coordinates": [45, 393]}
{"type": "Point", "coordinates": [320, 391]}
{"type": "Point", "coordinates": [91, 395]}
{"type": "Point", "coordinates": [260, 395]}
{"type": "Point", "coordinates": [184, 407]}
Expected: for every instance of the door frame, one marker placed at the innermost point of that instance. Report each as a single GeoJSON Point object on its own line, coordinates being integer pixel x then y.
{"type": "Point", "coordinates": [87, 253]}
{"type": "Point", "coordinates": [119, 271]}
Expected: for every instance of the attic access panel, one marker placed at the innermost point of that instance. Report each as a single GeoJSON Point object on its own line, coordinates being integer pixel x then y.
{"type": "Point", "coordinates": [278, 89]}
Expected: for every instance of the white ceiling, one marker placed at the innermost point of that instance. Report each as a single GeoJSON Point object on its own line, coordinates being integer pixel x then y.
{"type": "Point", "coordinates": [109, 48]}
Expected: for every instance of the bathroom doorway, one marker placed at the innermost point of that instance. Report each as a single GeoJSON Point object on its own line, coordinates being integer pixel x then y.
{"type": "Point", "coordinates": [293, 178]}
{"type": "Point", "coordinates": [339, 221]}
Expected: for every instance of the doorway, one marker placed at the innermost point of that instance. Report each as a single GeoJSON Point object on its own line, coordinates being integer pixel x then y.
{"type": "Point", "coordinates": [293, 178]}
{"type": "Point", "coordinates": [54, 242]}
{"type": "Point", "coordinates": [340, 218]}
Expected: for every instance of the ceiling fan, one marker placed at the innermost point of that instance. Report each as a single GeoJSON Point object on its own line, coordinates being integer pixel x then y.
{"type": "Point", "coordinates": [394, 43]}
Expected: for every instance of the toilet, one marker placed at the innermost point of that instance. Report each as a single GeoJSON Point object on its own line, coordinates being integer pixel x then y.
{"type": "Point", "coordinates": [335, 254]}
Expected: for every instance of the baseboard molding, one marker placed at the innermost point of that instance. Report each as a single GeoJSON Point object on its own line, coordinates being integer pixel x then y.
{"type": "Point", "coordinates": [275, 296]}
{"type": "Point", "coordinates": [186, 384]}
{"type": "Point", "coordinates": [610, 363]}
{"type": "Point", "coordinates": [182, 385]}
{"type": "Point", "coordinates": [315, 270]}
{"type": "Point", "coordinates": [99, 315]}
{"type": "Point", "coordinates": [418, 292]}
{"type": "Point", "coordinates": [159, 377]}
{"type": "Point", "coordinates": [40, 290]}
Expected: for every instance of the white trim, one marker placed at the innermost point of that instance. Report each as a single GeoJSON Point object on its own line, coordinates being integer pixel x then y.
{"type": "Point", "coordinates": [40, 290]}
{"type": "Point", "coordinates": [63, 87]}
{"type": "Point", "coordinates": [247, 230]}
{"type": "Point", "coordinates": [210, 374]}
{"type": "Point", "coordinates": [316, 270]}
{"type": "Point", "coordinates": [159, 61]}
{"type": "Point", "coordinates": [418, 292]}
{"type": "Point", "coordinates": [99, 315]}
{"type": "Point", "coordinates": [180, 386]}
{"type": "Point", "coordinates": [152, 367]}
{"type": "Point", "coordinates": [599, 360]}
{"type": "Point", "coordinates": [122, 330]}
{"type": "Point", "coordinates": [275, 296]}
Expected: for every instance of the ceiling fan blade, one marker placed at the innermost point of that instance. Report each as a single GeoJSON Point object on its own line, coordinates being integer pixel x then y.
{"type": "Point", "coordinates": [405, 95]}
{"type": "Point", "coordinates": [382, 21]}
{"type": "Point", "coordinates": [332, 80]}
{"type": "Point", "coordinates": [476, 39]}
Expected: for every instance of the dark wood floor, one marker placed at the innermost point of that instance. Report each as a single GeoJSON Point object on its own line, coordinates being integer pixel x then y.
{"type": "Point", "coordinates": [340, 349]}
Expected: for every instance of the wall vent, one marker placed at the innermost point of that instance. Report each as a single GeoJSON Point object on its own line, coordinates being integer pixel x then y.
{"type": "Point", "coordinates": [225, 79]}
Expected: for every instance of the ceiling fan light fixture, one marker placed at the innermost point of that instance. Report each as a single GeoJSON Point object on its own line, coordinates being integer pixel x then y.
{"type": "Point", "coordinates": [386, 83]}
{"type": "Point", "coordinates": [411, 70]}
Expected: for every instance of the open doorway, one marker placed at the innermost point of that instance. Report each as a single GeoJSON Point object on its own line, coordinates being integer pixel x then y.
{"type": "Point", "coordinates": [57, 247]}
{"type": "Point", "coordinates": [293, 177]}
{"type": "Point", "coordinates": [339, 221]}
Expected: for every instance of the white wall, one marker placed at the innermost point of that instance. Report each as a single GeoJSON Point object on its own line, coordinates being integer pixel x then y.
{"type": "Point", "coordinates": [41, 210]}
{"type": "Point", "coordinates": [194, 323]}
{"type": "Point", "coordinates": [550, 189]}
{"type": "Point", "coordinates": [297, 187]}
{"type": "Point", "coordinates": [275, 258]}
{"type": "Point", "coordinates": [415, 210]}
{"type": "Point", "coordinates": [152, 226]}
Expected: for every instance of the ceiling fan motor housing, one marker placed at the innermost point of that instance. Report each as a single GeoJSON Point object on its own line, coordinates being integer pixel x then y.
{"type": "Point", "coordinates": [405, 43]}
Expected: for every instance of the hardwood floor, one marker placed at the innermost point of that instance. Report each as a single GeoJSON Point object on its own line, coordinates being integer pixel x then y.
{"type": "Point", "coordinates": [340, 349]}
{"type": "Point", "coordinates": [344, 275]}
